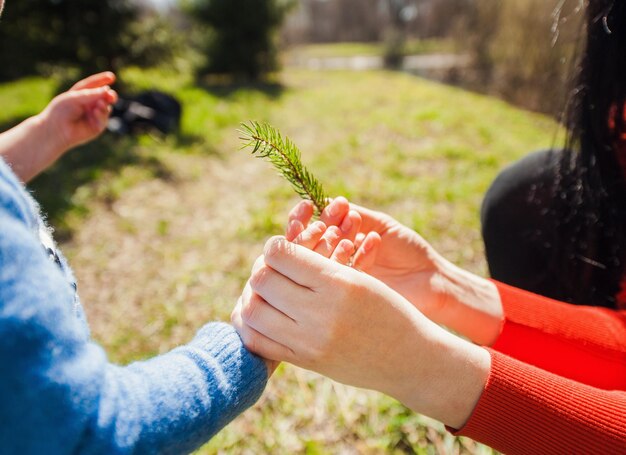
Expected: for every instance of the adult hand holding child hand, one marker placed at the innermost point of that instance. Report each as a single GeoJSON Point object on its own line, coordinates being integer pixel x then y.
{"type": "Point", "coordinates": [322, 315]}
{"type": "Point", "coordinates": [404, 261]}
{"type": "Point", "coordinates": [327, 242]}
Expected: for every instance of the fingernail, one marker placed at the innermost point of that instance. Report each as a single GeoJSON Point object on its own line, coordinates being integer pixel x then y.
{"type": "Point", "coordinates": [346, 225]}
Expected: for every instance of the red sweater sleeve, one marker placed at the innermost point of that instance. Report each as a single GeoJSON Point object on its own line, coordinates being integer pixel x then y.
{"type": "Point", "coordinates": [586, 344]}
{"type": "Point", "coordinates": [524, 409]}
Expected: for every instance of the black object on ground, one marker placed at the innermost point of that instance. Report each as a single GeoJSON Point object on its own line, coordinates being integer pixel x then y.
{"type": "Point", "coordinates": [145, 112]}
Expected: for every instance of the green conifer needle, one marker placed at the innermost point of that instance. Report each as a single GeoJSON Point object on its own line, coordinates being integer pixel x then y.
{"type": "Point", "coordinates": [267, 142]}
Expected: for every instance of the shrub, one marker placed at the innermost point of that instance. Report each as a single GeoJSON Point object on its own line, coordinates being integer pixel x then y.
{"type": "Point", "coordinates": [240, 35]}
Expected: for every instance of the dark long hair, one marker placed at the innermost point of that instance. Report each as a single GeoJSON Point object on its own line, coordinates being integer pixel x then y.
{"type": "Point", "coordinates": [591, 203]}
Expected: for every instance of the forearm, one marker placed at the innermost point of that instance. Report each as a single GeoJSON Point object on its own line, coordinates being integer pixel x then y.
{"type": "Point", "coordinates": [28, 148]}
{"type": "Point", "coordinates": [176, 402]}
{"type": "Point", "coordinates": [169, 404]}
{"type": "Point", "coordinates": [587, 344]}
{"type": "Point", "coordinates": [524, 409]}
{"type": "Point", "coordinates": [452, 378]}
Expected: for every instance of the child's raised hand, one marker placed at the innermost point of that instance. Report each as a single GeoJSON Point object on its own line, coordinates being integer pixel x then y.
{"type": "Point", "coordinates": [80, 114]}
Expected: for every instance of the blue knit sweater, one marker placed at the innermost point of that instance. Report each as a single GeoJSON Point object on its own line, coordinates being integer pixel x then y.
{"type": "Point", "coordinates": [58, 391]}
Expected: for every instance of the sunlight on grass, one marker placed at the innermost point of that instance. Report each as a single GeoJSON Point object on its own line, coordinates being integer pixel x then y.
{"type": "Point", "coordinates": [24, 98]}
{"type": "Point", "coordinates": [162, 232]}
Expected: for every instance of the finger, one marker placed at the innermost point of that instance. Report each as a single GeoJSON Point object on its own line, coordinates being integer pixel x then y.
{"type": "Point", "coordinates": [350, 225]}
{"type": "Point", "coordinates": [256, 342]}
{"type": "Point", "coordinates": [302, 212]}
{"type": "Point", "coordinates": [372, 220]}
{"type": "Point", "coordinates": [95, 81]}
{"type": "Point", "coordinates": [294, 229]}
{"type": "Point", "coordinates": [111, 96]}
{"type": "Point", "coordinates": [300, 265]}
{"type": "Point", "coordinates": [100, 106]}
{"type": "Point", "coordinates": [99, 116]}
{"type": "Point", "coordinates": [277, 290]}
{"type": "Point", "coordinates": [101, 111]}
{"type": "Point", "coordinates": [89, 97]}
{"type": "Point", "coordinates": [328, 242]}
{"type": "Point", "coordinates": [310, 237]}
{"type": "Point", "coordinates": [359, 239]}
{"type": "Point", "coordinates": [335, 212]}
{"type": "Point", "coordinates": [258, 263]}
{"type": "Point", "coordinates": [94, 121]}
{"type": "Point", "coordinates": [365, 257]}
{"type": "Point", "coordinates": [274, 325]}
{"type": "Point", "coordinates": [343, 252]}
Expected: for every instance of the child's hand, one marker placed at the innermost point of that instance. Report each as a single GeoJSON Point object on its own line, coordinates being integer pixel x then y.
{"type": "Point", "coordinates": [80, 114]}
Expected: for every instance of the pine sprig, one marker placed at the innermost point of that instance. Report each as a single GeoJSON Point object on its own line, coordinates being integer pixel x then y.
{"type": "Point", "coordinates": [267, 142]}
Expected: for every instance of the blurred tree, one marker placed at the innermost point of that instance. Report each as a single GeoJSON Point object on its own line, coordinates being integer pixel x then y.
{"type": "Point", "coordinates": [523, 50]}
{"type": "Point", "coordinates": [401, 12]}
{"type": "Point", "coordinates": [241, 35]}
{"type": "Point", "coordinates": [88, 34]}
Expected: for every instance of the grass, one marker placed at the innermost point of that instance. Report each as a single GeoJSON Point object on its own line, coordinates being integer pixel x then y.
{"type": "Point", "coordinates": [162, 232]}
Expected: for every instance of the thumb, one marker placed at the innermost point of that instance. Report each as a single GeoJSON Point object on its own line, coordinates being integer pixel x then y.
{"type": "Point", "coordinates": [365, 256]}
{"type": "Point", "coordinates": [95, 81]}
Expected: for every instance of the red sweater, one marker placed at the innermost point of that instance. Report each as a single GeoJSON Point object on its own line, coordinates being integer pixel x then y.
{"type": "Point", "coordinates": [557, 382]}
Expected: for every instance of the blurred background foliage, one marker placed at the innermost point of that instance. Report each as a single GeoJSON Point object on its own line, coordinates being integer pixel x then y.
{"type": "Point", "coordinates": [521, 51]}
{"type": "Point", "coordinates": [89, 34]}
{"type": "Point", "coordinates": [243, 45]}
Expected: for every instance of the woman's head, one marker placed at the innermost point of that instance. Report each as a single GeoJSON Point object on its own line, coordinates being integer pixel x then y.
{"type": "Point", "coordinates": [591, 187]}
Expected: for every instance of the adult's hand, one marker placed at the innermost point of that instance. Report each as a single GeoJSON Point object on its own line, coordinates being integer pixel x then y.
{"type": "Point", "coordinates": [330, 318]}
{"type": "Point", "coordinates": [323, 240]}
{"type": "Point", "coordinates": [404, 261]}
{"type": "Point", "coordinates": [387, 250]}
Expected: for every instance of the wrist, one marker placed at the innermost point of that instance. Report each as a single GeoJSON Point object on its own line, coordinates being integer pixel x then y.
{"type": "Point", "coordinates": [452, 378]}
{"type": "Point", "coordinates": [469, 304]}
{"type": "Point", "coordinates": [26, 147]}
{"type": "Point", "coordinates": [51, 143]}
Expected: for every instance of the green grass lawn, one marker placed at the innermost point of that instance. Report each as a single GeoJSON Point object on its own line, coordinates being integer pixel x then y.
{"type": "Point", "coordinates": [162, 232]}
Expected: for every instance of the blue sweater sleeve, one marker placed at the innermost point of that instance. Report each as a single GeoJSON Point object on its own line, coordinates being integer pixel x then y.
{"type": "Point", "coordinates": [59, 393]}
